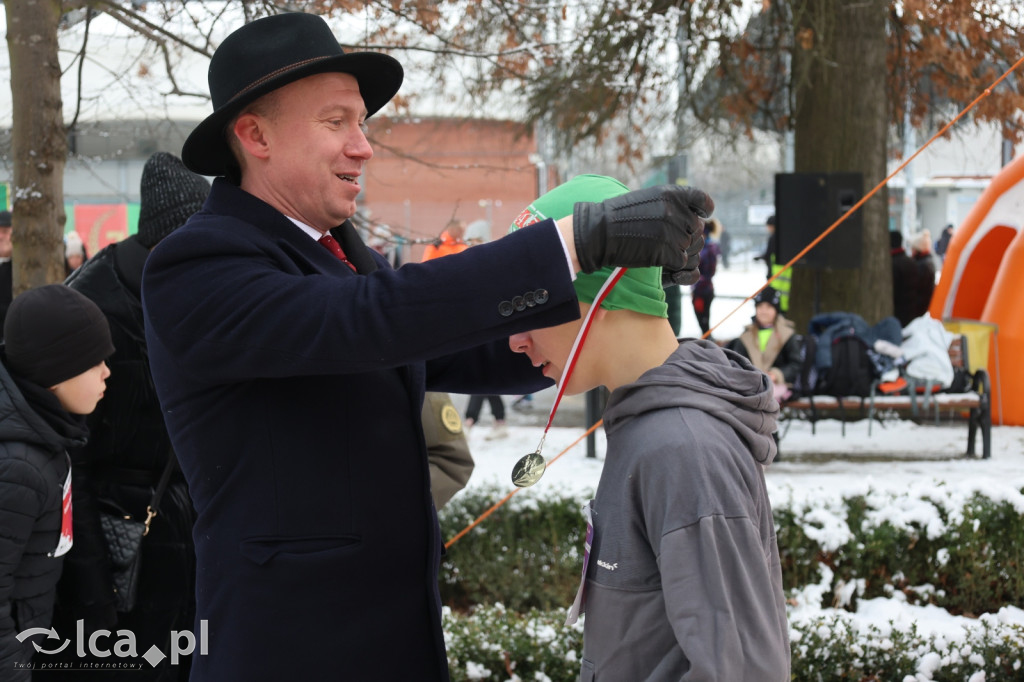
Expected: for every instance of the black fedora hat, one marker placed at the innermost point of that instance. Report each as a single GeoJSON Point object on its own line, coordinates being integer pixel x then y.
{"type": "Point", "coordinates": [267, 54]}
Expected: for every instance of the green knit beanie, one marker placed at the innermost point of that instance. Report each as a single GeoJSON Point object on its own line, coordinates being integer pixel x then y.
{"type": "Point", "coordinates": [640, 288]}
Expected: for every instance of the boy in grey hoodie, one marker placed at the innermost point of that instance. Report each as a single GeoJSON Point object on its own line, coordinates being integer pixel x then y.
{"type": "Point", "coordinates": [683, 579]}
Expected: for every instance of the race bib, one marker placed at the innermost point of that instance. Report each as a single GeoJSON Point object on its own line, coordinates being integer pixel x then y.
{"type": "Point", "coordinates": [66, 536]}
{"type": "Point", "coordinates": [579, 604]}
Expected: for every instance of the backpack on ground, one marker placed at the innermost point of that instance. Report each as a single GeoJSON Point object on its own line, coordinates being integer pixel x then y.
{"type": "Point", "coordinates": [851, 372]}
{"type": "Point", "coordinates": [806, 381]}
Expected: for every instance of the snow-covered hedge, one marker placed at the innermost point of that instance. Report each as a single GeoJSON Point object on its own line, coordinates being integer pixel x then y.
{"type": "Point", "coordinates": [528, 554]}
{"type": "Point", "coordinates": [508, 581]}
{"type": "Point", "coordinates": [833, 647]}
{"type": "Point", "coordinates": [497, 645]}
{"type": "Point", "coordinates": [963, 552]}
{"type": "Point", "coordinates": [493, 643]}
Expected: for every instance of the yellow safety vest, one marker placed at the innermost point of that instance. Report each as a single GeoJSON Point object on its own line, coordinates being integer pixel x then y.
{"type": "Point", "coordinates": [782, 284]}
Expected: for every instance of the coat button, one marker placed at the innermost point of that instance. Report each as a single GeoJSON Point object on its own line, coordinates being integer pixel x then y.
{"type": "Point", "coordinates": [530, 298]}
{"type": "Point", "coordinates": [505, 308]}
{"type": "Point", "coordinates": [541, 295]}
{"type": "Point", "coordinates": [520, 303]}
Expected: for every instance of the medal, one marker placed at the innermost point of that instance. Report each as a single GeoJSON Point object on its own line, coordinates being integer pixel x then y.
{"type": "Point", "coordinates": [532, 466]}
{"type": "Point", "coordinates": [528, 470]}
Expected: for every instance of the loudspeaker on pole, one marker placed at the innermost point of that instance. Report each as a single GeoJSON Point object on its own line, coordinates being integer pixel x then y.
{"type": "Point", "coordinates": [806, 204]}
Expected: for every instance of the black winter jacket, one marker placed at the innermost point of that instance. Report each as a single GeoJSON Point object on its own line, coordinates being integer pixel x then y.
{"type": "Point", "coordinates": [127, 451]}
{"type": "Point", "coordinates": [913, 282]}
{"type": "Point", "coordinates": [35, 433]}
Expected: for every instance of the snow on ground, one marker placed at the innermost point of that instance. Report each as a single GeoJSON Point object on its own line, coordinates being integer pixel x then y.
{"type": "Point", "coordinates": [903, 458]}
{"type": "Point", "coordinates": [819, 467]}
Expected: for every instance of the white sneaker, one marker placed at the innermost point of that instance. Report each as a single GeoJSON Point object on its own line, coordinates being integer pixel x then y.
{"type": "Point", "coordinates": [523, 403]}
{"type": "Point", "coordinates": [498, 431]}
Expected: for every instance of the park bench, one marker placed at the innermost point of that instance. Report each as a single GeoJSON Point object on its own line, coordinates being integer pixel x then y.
{"type": "Point", "coordinates": [913, 400]}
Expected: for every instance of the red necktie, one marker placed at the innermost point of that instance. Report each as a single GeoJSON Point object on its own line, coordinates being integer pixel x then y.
{"type": "Point", "coordinates": [332, 245]}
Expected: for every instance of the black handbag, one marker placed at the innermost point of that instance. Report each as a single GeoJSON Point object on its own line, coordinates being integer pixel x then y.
{"type": "Point", "coordinates": [123, 536]}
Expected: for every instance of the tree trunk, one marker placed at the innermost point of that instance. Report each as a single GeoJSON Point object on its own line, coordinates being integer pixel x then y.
{"type": "Point", "coordinates": [39, 144]}
{"type": "Point", "coordinates": [839, 73]}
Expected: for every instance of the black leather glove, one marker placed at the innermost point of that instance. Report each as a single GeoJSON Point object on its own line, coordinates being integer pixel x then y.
{"type": "Point", "coordinates": [645, 228]}
{"type": "Point", "coordinates": [690, 272]}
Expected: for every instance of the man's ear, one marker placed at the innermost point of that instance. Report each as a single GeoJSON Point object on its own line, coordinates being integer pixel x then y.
{"type": "Point", "coordinates": [250, 130]}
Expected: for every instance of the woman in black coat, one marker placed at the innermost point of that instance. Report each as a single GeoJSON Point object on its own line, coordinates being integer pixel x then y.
{"type": "Point", "coordinates": [913, 277]}
{"type": "Point", "coordinates": [129, 449]}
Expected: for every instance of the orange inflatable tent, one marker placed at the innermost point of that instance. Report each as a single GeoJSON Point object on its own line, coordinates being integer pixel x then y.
{"type": "Point", "coordinates": [983, 280]}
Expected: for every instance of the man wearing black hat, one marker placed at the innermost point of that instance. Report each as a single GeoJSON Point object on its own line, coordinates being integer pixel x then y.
{"type": "Point", "coordinates": [291, 373]}
{"type": "Point", "coordinates": [128, 451]}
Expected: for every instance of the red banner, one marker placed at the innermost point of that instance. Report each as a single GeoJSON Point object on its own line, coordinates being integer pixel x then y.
{"type": "Point", "coordinates": [100, 224]}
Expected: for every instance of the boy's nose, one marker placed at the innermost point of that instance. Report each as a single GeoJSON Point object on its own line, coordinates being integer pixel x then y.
{"type": "Point", "coordinates": [519, 342]}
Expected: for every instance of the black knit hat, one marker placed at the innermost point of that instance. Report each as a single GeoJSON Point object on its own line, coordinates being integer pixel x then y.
{"type": "Point", "coordinates": [769, 295]}
{"type": "Point", "coordinates": [170, 194]}
{"type": "Point", "coordinates": [53, 333]}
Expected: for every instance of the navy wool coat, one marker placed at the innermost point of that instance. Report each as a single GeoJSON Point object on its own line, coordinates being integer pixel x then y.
{"type": "Point", "coordinates": [292, 390]}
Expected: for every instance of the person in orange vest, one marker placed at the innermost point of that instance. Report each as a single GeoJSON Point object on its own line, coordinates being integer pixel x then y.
{"type": "Point", "coordinates": [449, 242]}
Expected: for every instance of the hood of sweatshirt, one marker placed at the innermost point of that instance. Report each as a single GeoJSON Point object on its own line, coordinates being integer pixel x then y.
{"type": "Point", "coordinates": [718, 382]}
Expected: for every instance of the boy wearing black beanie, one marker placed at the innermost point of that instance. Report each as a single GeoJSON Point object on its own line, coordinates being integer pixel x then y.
{"type": "Point", "coordinates": [52, 370]}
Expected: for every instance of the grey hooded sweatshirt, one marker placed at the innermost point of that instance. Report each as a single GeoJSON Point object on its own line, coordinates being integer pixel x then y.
{"type": "Point", "coordinates": [683, 581]}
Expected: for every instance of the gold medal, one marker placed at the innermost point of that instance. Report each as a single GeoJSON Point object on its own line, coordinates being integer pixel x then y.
{"type": "Point", "coordinates": [528, 470]}
{"type": "Point", "coordinates": [531, 467]}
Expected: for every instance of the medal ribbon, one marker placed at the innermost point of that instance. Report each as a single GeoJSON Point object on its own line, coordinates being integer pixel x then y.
{"type": "Point", "coordinates": [577, 345]}
{"type": "Point", "coordinates": [531, 467]}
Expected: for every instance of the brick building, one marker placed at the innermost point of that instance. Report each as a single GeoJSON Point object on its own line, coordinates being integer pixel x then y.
{"type": "Point", "coordinates": [426, 170]}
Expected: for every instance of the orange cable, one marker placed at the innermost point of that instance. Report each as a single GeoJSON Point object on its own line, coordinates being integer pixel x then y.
{"type": "Point", "coordinates": [494, 507]}
{"type": "Point", "coordinates": [985, 93]}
